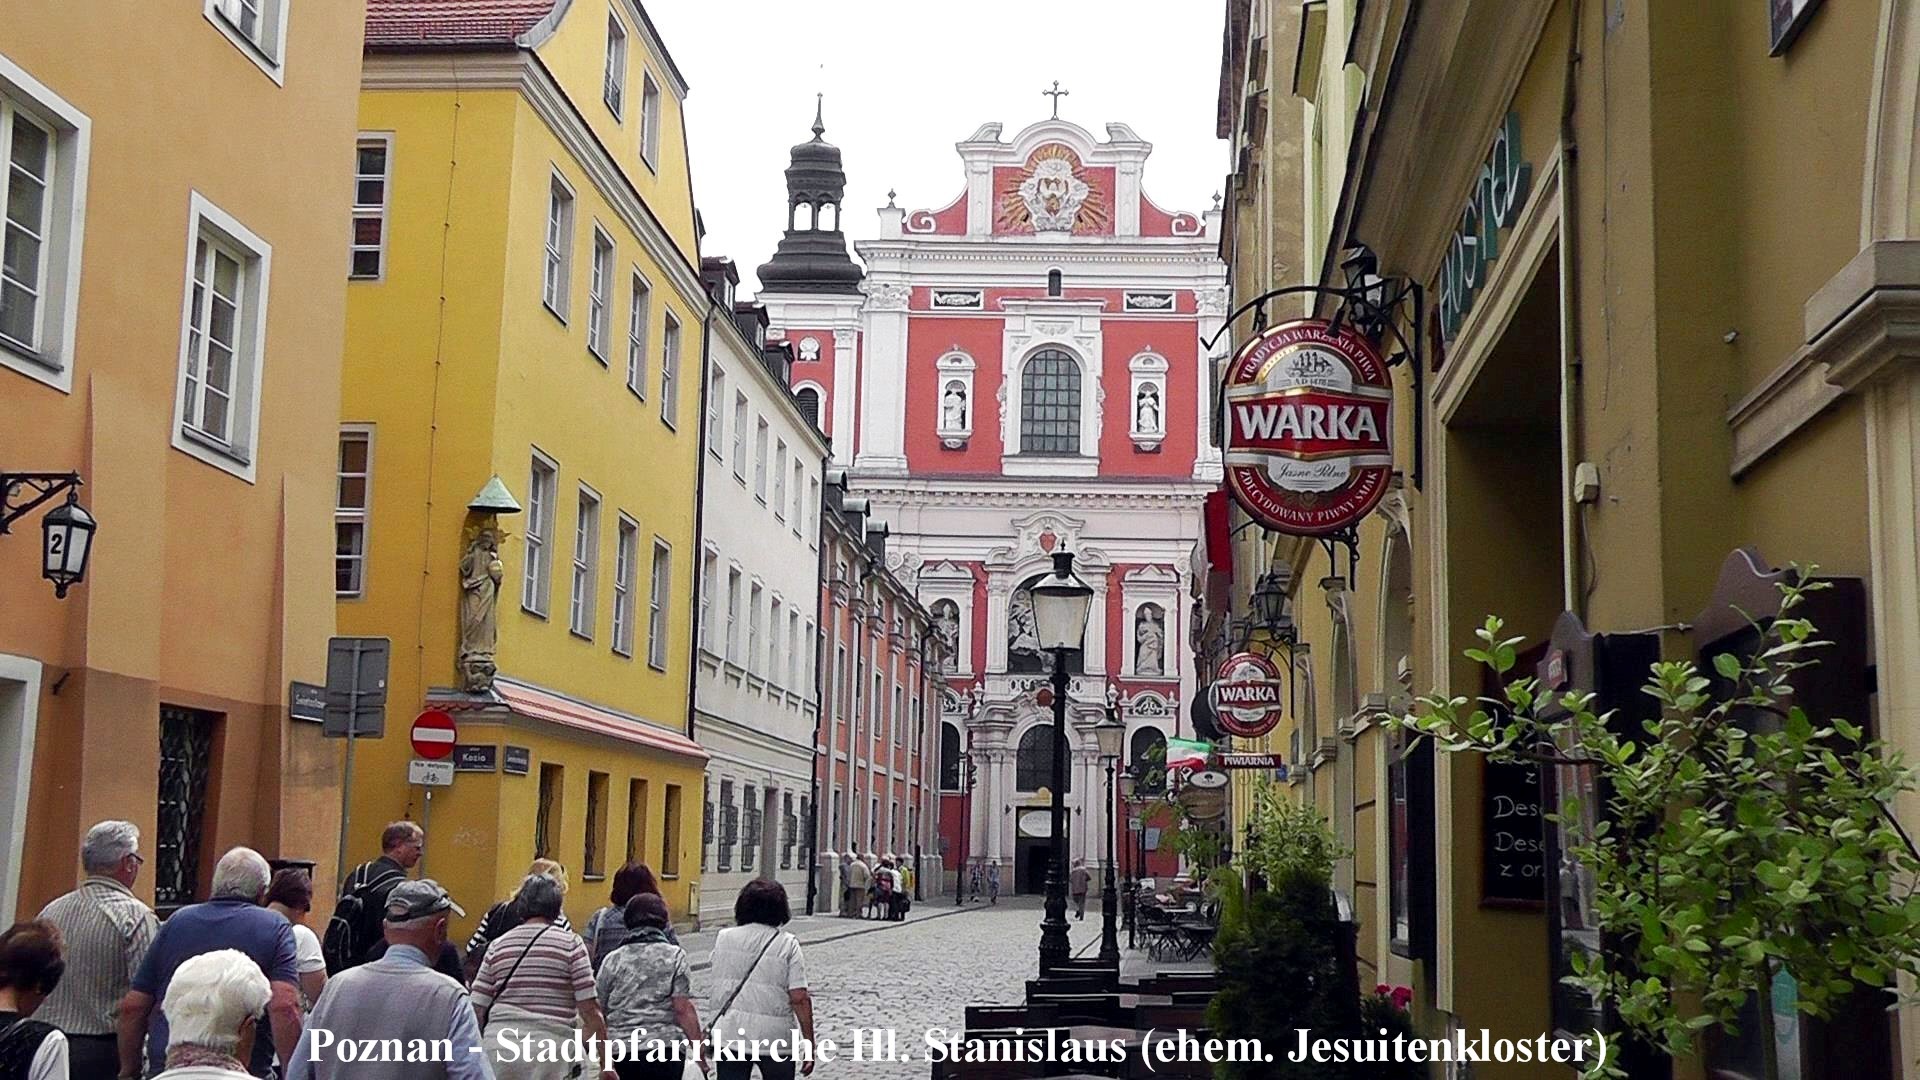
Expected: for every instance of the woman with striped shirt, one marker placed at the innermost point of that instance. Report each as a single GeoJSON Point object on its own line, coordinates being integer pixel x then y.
{"type": "Point", "coordinates": [534, 982]}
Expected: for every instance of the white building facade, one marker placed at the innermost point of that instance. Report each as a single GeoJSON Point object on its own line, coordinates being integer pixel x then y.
{"type": "Point", "coordinates": [755, 694]}
{"type": "Point", "coordinates": [1022, 371]}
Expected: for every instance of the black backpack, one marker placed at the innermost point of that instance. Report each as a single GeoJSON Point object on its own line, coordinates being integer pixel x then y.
{"type": "Point", "coordinates": [352, 930]}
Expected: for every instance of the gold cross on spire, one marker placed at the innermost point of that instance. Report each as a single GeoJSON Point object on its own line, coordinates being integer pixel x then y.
{"type": "Point", "coordinates": [1056, 94]}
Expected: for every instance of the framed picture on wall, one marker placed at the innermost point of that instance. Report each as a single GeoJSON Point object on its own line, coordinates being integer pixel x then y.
{"type": "Point", "coordinates": [1785, 20]}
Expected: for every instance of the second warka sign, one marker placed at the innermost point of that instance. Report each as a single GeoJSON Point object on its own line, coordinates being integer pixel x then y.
{"type": "Point", "coordinates": [1309, 427]}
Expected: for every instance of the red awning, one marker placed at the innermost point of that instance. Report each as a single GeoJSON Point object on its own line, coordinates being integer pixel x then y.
{"type": "Point", "coordinates": [537, 704]}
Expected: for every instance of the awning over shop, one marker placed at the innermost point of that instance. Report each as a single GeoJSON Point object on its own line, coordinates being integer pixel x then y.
{"type": "Point", "coordinates": [537, 704]}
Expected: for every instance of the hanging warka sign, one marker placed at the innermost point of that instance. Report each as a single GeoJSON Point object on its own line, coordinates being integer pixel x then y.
{"type": "Point", "coordinates": [1249, 695]}
{"type": "Point", "coordinates": [1309, 427]}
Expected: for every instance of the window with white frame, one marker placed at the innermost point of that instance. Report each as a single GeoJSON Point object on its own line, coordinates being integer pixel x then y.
{"type": "Point", "coordinates": [899, 728]}
{"type": "Point", "coordinates": [760, 459]}
{"type": "Point", "coordinates": [626, 558]}
{"type": "Point", "coordinates": [793, 648]}
{"type": "Point", "coordinates": [753, 629]}
{"type": "Point", "coordinates": [670, 372]}
{"type": "Point", "coordinates": [775, 614]}
{"type": "Point", "coordinates": [798, 515]}
{"type": "Point", "coordinates": [44, 144]}
{"type": "Point", "coordinates": [223, 336]}
{"type": "Point", "coordinates": [733, 614]}
{"type": "Point", "coordinates": [780, 480]}
{"type": "Point", "coordinates": [586, 563]}
{"type": "Point", "coordinates": [542, 489]}
{"type": "Point", "coordinates": [740, 437]}
{"type": "Point", "coordinates": [649, 121]}
{"type": "Point", "coordinates": [659, 592]}
{"type": "Point", "coordinates": [639, 315]}
{"type": "Point", "coordinates": [709, 586]}
{"type": "Point", "coordinates": [257, 27]}
{"type": "Point", "coordinates": [1050, 404]}
{"type": "Point", "coordinates": [371, 169]}
{"type": "Point", "coordinates": [559, 254]}
{"type": "Point", "coordinates": [813, 643]}
{"type": "Point", "coordinates": [813, 511]}
{"type": "Point", "coordinates": [354, 490]}
{"type": "Point", "coordinates": [615, 89]}
{"type": "Point", "coordinates": [599, 285]}
{"type": "Point", "coordinates": [716, 400]}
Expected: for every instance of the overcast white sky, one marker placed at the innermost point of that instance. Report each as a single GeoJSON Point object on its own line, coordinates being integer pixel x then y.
{"type": "Point", "coordinates": [906, 80]}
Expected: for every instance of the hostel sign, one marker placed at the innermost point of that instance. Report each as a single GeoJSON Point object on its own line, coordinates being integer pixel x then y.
{"type": "Point", "coordinates": [1499, 192]}
{"type": "Point", "coordinates": [1309, 427]}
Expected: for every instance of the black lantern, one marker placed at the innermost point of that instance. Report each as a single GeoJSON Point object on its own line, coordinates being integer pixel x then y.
{"type": "Point", "coordinates": [68, 531]}
{"type": "Point", "coordinates": [1366, 290]}
{"type": "Point", "coordinates": [1273, 606]}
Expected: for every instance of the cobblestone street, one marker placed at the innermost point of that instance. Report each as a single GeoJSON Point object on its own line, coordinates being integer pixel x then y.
{"type": "Point", "coordinates": [920, 975]}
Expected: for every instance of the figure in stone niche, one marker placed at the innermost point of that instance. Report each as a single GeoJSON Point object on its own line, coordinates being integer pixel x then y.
{"type": "Point", "coordinates": [1023, 636]}
{"type": "Point", "coordinates": [1146, 411]}
{"type": "Point", "coordinates": [1149, 639]}
{"type": "Point", "coordinates": [480, 574]}
{"type": "Point", "coordinates": [946, 623]}
{"type": "Point", "coordinates": [953, 408]}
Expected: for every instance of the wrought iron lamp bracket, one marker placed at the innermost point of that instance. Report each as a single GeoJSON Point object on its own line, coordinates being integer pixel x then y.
{"type": "Point", "coordinates": [40, 488]}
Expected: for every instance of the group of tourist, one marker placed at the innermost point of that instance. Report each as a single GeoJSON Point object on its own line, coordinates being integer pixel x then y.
{"type": "Point", "coordinates": [239, 986]}
{"type": "Point", "coordinates": [879, 888]}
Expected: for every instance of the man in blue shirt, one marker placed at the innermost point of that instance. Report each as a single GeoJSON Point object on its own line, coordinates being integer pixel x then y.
{"type": "Point", "coordinates": [231, 919]}
{"type": "Point", "coordinates": [399, 997]}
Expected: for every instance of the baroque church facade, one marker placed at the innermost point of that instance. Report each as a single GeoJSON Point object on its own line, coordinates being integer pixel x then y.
{"type": "Point", "coordinates": [1017, 372]}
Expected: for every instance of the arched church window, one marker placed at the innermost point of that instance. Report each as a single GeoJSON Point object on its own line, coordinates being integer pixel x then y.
{"type": "Point", "coordinates": [950, 764]}
{"type": "Point", "coordinates": [1141, 755]}
{"type": "Point", "coordinates": [1053, 283]}
{"type": "Point", "coordinates": [1050, 404]}
{"type": "Point", "coordinates": [830, 216]}
{"type": "Point", "coordinates": [809, 401]}
{"type": "Point", "coordinates": [1033, 763]}
{"type": "Point", "coordinates": [1024, 655]}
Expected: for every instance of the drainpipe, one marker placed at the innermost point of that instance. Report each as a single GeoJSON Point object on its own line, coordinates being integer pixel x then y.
{"type": "Point", "coordinates": [1572, 547]}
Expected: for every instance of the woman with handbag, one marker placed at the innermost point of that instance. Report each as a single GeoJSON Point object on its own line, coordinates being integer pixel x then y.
{"type": "Point", "coordinates": [534, 981]}
{"type": "Point", "coordinates": [646, 991]}
{"type": "Point", "coordinates": [760, 979]}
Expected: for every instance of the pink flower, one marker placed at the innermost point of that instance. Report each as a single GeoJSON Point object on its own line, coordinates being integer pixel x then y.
{"type": "Point", "coordinates": [1402, 997]}
{"type": "Point", "coordinates": [1382, 989]}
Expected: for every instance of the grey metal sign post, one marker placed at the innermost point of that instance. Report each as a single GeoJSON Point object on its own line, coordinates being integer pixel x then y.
{"type": "Point", "coordinates": [356, 709]}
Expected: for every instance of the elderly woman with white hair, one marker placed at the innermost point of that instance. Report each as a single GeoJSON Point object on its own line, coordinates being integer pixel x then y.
{"type": "Point", "coordinates": [231, 919]}
{"type": "Point", "coordinates": [535, 979]}
{"type": "Point", "coordinates": [213, 1005]}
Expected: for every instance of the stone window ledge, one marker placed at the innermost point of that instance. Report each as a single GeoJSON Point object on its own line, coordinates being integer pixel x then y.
{"type": "Point", "coordinates": [1862, 320]}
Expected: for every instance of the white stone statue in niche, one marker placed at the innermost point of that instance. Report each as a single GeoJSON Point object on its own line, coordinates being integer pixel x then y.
{"type": "Point", "coordinates": [1149, 641]}
{"type": "Point", "coordinates": [953, 408]}
{"type": "Point", "coordinates": [1146, 410]}
{"type": "Point", "coordinates": [1023, 636]}
{"type": "Point", "coordinates": [946, 623]}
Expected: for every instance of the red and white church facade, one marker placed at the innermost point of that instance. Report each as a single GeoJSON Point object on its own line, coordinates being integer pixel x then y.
{"type": "Point", "coordinates": [1017, 372]}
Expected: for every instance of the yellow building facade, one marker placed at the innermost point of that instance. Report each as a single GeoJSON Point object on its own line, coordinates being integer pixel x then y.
{"type": "Point", "coordinates": [526, 308]}
{"type": "Point", "coordinates": [171, 318]}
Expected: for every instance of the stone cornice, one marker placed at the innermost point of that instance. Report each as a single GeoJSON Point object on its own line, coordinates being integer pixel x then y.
{"type": "Point", "coordinates": [521, 71]}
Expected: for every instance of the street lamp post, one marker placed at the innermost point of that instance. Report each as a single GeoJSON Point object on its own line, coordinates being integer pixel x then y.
{"type": "Point", "coordinates": [1110, 735]}
{"type": "Point", "coordinates": [1060, 605]}
{"type": "Point", "coordinates": [1127, 787]}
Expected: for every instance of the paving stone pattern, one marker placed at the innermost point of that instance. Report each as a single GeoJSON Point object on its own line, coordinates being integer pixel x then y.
{"type": "Point", "coordinates": [913, 976]}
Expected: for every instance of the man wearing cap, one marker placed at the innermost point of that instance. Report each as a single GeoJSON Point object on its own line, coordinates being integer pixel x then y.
{"type": "Point", "coordinates": [398, 996]}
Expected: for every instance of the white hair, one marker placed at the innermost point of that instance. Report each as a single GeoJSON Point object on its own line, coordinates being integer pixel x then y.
{"type": "Point", "coordinates": [107, 843]}
{"type": "Point", "coordinates": [241, 874]}
{"type": "Point", "coordinates": [210, 995]}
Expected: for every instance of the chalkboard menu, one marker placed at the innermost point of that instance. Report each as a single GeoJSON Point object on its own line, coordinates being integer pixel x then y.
{"type": "Point", "coordinates": [1513, 868]}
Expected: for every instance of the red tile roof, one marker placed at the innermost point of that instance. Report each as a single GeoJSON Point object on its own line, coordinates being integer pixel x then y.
{"type": "Point", "coordinates": [451, 23]}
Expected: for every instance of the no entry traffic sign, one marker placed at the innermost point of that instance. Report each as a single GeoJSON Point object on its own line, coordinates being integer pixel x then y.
{"type": "Point", "coordinates": [433, 734]}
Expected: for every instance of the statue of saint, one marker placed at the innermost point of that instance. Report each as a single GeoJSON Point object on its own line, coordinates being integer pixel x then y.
{"type": "Point", "coordinates": [953, 408]}
{"type": "Point", "coordinates": [1022, 635]}
{"type": "Point", "coordinates": [480, 574]}
{"type": "Point", "coordinates": [1147, 411]}
{"type": "Point", "coordinates": [946, 623]}
{"type": "Point", "coordinates": [1149, 638]}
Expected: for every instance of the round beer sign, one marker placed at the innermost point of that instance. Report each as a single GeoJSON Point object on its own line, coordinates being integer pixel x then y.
{"type": "Point", "coordinates": [1248, 695]}
{"type": "Point", "coordinates": [1309, 427]}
